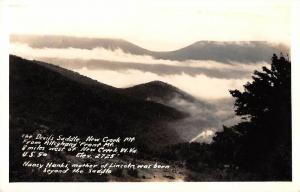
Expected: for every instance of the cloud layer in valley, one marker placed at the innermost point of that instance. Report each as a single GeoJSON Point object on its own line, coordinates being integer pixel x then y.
{"type": "Point", "coordinates": [205, 79]}
{"type": "Point", "coordinates": [205, 118]}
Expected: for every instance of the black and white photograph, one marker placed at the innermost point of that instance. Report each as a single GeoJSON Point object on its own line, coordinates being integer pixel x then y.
{"type": "Point", "coordinates": [150, 91]}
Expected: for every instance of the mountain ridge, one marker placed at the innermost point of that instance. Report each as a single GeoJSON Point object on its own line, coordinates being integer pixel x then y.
{"type": "Point", "coordinates": [47, 95]}
{"type": "Point", "coordinates": [221, 51]}
{"type": "Point", "coordinates": [169, 111]}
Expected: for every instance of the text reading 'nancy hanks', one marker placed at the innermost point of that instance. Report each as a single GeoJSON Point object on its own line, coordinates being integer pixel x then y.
{"type": "Point", "coordinates": [59, 154]}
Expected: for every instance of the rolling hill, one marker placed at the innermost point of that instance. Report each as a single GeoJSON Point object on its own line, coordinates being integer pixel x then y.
{"type": "Point", "coordinates": [157, 91]}
{"type": "Point", "coordinates": [44, 95]}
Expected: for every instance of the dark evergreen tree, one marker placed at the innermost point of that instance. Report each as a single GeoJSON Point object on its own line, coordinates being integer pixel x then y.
{"type": "Point", "coordinates": [262, 142]}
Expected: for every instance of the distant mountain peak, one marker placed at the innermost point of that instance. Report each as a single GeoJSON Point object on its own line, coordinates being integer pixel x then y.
{"type": "Point", "coordinates": [157, 91]}
{"type": "Point", "coordinates": [163, 86]}
{"type": "Point", "coordinates": [159, 83]}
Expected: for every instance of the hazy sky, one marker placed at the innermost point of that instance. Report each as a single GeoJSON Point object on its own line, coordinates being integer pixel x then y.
{"type": "Point", "coordinates": [155, 24]}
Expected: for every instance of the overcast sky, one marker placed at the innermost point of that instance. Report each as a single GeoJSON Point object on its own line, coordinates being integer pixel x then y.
{"type": "Point", "coordinates": [155, 24]}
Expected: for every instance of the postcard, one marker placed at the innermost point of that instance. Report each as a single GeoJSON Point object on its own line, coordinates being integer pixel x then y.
{"type": "Point", "coordinates": [150, 91]}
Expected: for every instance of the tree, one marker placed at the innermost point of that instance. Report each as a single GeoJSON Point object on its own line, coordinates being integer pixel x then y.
{"type": "Point", "coordinates": [264, 140]}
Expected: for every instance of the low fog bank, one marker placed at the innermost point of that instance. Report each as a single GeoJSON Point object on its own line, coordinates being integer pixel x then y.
{"type": "Point", "coordinates": [205, 117]}
{"type": "Point", "coordinates": [203, 121]}
{"type": "Point", "coordinates": [159, 69]}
